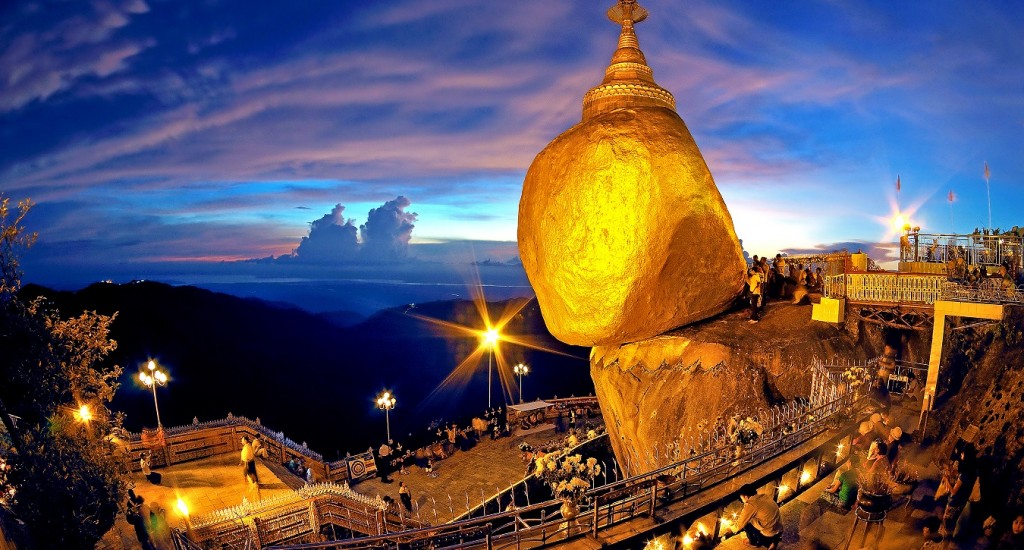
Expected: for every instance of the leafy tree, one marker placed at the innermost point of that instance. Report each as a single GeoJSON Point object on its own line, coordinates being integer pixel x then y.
{"type": "Point", "coordinates": [66, 477]}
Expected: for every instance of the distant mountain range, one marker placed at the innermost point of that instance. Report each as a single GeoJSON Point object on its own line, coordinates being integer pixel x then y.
{"type": "Point", "coordinates": [312, 376]}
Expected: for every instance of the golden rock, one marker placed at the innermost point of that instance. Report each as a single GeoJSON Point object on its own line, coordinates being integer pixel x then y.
{"type": "Point", "coordinates": [622, 230]}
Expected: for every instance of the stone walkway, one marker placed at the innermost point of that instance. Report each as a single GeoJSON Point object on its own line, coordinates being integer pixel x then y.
{"type": "Point", "coordinates": [487, 468]}
{"type": "Point", "coordinates": [811, 525]}
{"type": "Point", "coordinates": [205, 485]}
{"type": "Point", "coordinates": [216, 483]}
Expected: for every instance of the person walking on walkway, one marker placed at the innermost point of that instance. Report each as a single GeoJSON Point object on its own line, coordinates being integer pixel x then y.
{"type": "Point", "coordinates": [403, 494]}
{"type": "Point", "coordinates": [760, 518]}
{"type": "Point", "coordinates": [248, 459]}
{"type": "Point", "coordinates": [754, 284]}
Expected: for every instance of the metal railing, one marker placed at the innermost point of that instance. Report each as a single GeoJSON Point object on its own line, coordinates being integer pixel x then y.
{"type": "Point", "coordinates": [977, 249]}
{"type": "Point", "coordinates": [709, 460]}
{"type": "Point", "coordinates": [885, 287]}
{"type": "Point", "coordinates": [988, 291]}
{"type": "Point", "coordinates": [508, 494]}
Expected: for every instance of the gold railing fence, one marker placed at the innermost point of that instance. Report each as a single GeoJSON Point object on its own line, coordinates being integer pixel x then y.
{"type": "Point", "coordinates": [692, 466]}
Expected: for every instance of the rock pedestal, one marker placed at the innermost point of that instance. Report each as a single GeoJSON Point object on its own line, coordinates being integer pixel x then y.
{"type": "Point", "coordinates": [676, 386]}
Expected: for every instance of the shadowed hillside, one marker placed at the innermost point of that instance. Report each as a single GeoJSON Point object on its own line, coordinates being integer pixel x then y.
{"type": "Point", "coordinates": [301, 373]}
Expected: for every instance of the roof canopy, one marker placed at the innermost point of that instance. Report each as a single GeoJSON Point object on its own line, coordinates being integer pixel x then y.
{"type": "Point", "coordinates": [531, 406]}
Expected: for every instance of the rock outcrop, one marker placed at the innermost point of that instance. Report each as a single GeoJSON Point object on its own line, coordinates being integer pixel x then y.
{"type": "Point", "coordinates": [679, 384]}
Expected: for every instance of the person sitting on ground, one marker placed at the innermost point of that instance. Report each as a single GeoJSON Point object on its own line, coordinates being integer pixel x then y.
{"type": "Point", "coordinates": [1014, 538]}
{"type": "Point", "coordinates": [895, 444]}
{"type": "Point", "coordinates": [877, 463]}
{"type": "Point", "coordinates": [987, 538]}
{"type": "Point", "coordinates": [843, 491]}
{"type": "Point", "coordinates": [800, 292]}
{"type": "Point", "coordinates": [862, 441]}
{"type": "Point", "coordinates": [760, 518]}
{"type": "Point", "coordinates": [930, 536]}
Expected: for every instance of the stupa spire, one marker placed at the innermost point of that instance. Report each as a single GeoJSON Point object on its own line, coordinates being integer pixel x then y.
{"type": "Point", "coordinates": [628, 80]}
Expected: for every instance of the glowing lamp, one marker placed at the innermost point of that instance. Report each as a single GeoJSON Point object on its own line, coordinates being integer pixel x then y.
{"type": "Point", "coordinates": [491, 337]}
{"type": "Point", "coordinates": [155, 377]}
{"type": "Point", "coordinates": [83, 414]}
{"type": "Point", "coordinates": [805, 476]}
{"type": "Point", "coordinates": [521, 370]}
{"type": "Point", "coordinates": [385, 402]}
{"type": "Point", "coordinates": [654, 544]}
{"type": "Point", "coordinates": [182, 508]}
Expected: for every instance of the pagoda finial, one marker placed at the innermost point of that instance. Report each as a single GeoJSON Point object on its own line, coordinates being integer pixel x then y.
{"type": "Point", "coordinates": [627, 10]}
{"type": "Point", "coordinates": [628, 80]}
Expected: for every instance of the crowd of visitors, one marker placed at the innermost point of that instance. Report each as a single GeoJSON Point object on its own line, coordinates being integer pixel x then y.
{"type": "Point", "coordinates": [149, 521]}
{"type": "Point", "coordinates": [1008, 277]}
{"type": "Point", "coordinates": [779, 280]}
{"type": "Point", "coordinates": [962, 511]}
{"type": "Point", "coordinates": [440, 440]}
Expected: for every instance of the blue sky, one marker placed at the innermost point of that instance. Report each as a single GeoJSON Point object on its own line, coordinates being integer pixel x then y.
{"type": "Point", "coordinates": [156, 131]}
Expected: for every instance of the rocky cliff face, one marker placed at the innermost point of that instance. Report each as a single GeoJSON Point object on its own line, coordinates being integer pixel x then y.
{"type": "Point", "coordinates": [982, 384]}
{"type": "Point", "coordinates": [678, 384]}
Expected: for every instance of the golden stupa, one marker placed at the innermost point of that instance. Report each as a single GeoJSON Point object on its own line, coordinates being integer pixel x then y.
{"type": "Point", "coordinates": [622, 230]}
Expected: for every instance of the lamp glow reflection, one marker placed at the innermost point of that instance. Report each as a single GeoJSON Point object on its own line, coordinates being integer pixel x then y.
{"type": "Point", "coordinates": [386, 402]}
{"type": "Point", "coordinates": [155, 377]}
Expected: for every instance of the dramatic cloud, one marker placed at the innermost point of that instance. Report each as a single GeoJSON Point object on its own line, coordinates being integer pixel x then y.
{"type": "Point", "coordinates": [190, 130]}
{"type": "Point", "coordinates": [333, 239]}
{"type": "Point", "coordinates": [387, 231]}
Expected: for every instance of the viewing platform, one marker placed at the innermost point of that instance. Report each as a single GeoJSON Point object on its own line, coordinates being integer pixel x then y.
{"type": "Point", "coordinates": [801, 442]}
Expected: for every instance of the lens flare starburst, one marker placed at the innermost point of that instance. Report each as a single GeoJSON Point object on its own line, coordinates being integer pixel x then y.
{"type": "Point", "coordinates": [492, 338]}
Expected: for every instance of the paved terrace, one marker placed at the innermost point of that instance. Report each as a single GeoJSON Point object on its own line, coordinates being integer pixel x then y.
{"type": "Point", "coordinates": [216, 483]}
{"type": "Point", "coordinates": [487, 468]}
{"type": "Point", "coordinates": [206, 485]}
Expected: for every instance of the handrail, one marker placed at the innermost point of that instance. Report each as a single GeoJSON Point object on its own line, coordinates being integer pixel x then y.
{"type": "Point", "coordinates": [885, 286]}
{"type": "Point", "coordinates": [707, 467]}
{"type": "Point", "coordinates": [563, 452]}
{"type": "Point", "coordinates": [973, 249]}
{"type": "Point", "coordinates": [988, 291]}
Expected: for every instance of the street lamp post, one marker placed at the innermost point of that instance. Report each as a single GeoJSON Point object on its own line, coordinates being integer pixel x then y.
{"type": "Point", "coordinates": [386, 402]}
{"type": "Point", "coordinates": [521, 369]}
{"type": "Point", "coordinates": [155, 377]}
{"type": "Point", "coordinates": [490, 340]}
